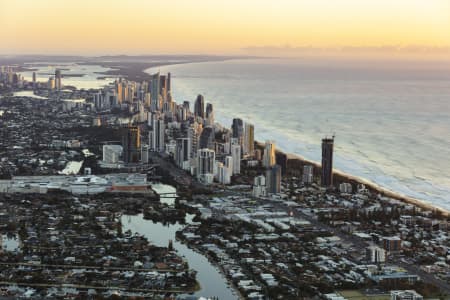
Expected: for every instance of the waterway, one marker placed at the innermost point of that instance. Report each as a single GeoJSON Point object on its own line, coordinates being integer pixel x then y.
{"type": "Point", "coordinates": [212, 282]}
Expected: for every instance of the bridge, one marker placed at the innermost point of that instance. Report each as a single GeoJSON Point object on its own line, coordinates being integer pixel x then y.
{"type": "Point", "coordinates": [168, 195]}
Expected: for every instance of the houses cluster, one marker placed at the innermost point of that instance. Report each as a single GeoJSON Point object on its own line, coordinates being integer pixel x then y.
{"type": "Point", "coordinates": [35, 137]}
{"type": "Point", "coordinates": [395, 231]}
{"type": "Point", "coordinates": [78, 243]}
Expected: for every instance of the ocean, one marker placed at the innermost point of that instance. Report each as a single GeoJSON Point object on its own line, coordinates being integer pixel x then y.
{"type": "Point", "coordinates": [391, 119]}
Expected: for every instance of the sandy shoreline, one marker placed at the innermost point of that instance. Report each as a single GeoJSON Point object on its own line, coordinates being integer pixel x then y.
{"type": "Point", "coordinates": [351, 178]}
{"type": "Point", "coordinates": [370, 185]}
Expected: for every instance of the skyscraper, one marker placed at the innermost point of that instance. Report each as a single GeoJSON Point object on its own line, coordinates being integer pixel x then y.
{"type": "Point", "coordinates": [269, 158]}
{"type": "Point", "coordinates": [169, 83]}
{"type": "Point", "coordinates": [34, 80]}
{"type": "Point", "coordinates": [273, 179]}
{"type": "Point", "coordinates": [131, 143]}
{"type": "Point", "coordinates": [238, 129]}
{"type": "Point", "coordinates": [249, 139]}
{"type": "Point", "coordinates": [259, 186]}
{"type": "Point", "coordinates": [209, 114]}
{"type": "Point", "coordinates": [327, 162]}
{"type": "Point", "coordinates": [183, 153]}
{"type": "Point", "coordinates": [207, 138]}
{"type": "Point", "coordinates": [119, 93]}
{"type": "Point", "coordinates": [199, 108]}
{"type": "Point", "coordinates": [157, 133]}
{"type": "Point", "coordinates": [155, 91]}
{"type": "Point", "coordinates": [236, 154]}
{"type": "Point", "coordinates": [58, 84]}
{"type": "Point", "coordinates": [163, 87]}
{"type": "Point", "coordinates": [205, 165]}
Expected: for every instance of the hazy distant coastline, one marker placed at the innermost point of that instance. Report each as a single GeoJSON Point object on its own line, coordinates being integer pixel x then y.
{"type": "Point", "coordinates": [130, 67]}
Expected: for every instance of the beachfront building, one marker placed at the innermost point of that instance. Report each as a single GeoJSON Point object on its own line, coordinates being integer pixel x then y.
{"type": "Point", "coordinates": [249, 139]}
{"type": "Point", "coordinates": [269, 158]}
{"type": "Point", "coordinates": [327, 162]}
{"type": "Point", "coordinates": [273, 180]}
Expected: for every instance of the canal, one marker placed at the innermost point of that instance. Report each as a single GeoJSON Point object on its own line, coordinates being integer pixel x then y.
{"type": "Point", "coordinates": [212, 282]}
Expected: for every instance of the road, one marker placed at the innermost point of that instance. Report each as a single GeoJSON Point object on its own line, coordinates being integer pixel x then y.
{"type": "Point", "coordinates": [106, 288]}
{"type": "Point", "coordinates": [91, 267]}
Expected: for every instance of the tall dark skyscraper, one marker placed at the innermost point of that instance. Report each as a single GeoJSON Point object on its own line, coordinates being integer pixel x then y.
{"type": "Point", "coordinates": [273, 179]}
{"type": "Point", "coordinates": [169, 83]}
{"type": "Point", "coordinates": [199, 109]}
{"type": "Point", "coordinates": [207, 138]}
{"type": "Point", "coordinates": [238, 129]}
{"type": "Point", "coordinates": [209, 110]}
{"type": "Point", "coordinates": [131, 143]}
{"type": "Point", "coordinates": [155, 92]}
{"type": "Point", "coordinates": [327, 162]}
{"type": "Point", "coordinates": [34, 80]}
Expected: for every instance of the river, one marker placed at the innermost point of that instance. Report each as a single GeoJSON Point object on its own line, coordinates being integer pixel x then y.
{"type": "Point", "coordinates": [212, 282]}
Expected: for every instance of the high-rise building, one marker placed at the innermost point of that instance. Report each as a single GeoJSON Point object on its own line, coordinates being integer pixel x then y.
{"type": "Point", "coordinates": [131, 143]}
{"type": "Point", "coordinates": [155, 92]}
{"type": "Point", "coordinates": [118, 86]}
{"type": "Point", "coordinates": [157, 135]}
{"type": "Point", "coordinates": [229, 163]}
{"type": "Point", "coordinates": [58, 83]}
{"type": "Point", "coordinates": [207, 138]}
{"type": "Point", "coordinates": [144, 153]}
{"type": "Point", "coordinates": [199, 108]}
{"type": "Point", "coordinates": [51, 83]}
{"type": "Point", "coordinates": [273, 179]}
{"type": "Point", "coordinates": [375, 254]}
{"type": "Point", "coordinates": [223, 174]}
{"type": "Point", "coordinates": [249, 139]}
{"type": "Point", "coordinates": [183, 153]}
{"type": "Point", "coordinates": [259, 186]}
{"type": "Point", "coordinates": [194, 137]}
{"type": "Point", "coordinates": [392, 244]}
{"type": "Point", "coordinates": [34, 80]}
{"type": "Point", "coordinates": [186, 105]}
{"type": "Point", "coordinates": [209, 115]}
{"type": "Point", "coordinates": [269, 158]}
{"type": "Point", "coordinates": [169, 83]}
{"type": "Point", "coordinates": [281, 160]}
{"type": "Point", "coordinates": [327, 162]}
{"type": "Point", "coordinates": [205, 165]}
{"type": "Point", "coordinates": [238, 130]}
{"type": "Point", "coordinates": [112, 153]}
{"type": "Point", "coordinates": [308, 174]}
{"type": "Point", "coordinates": [236, 154]}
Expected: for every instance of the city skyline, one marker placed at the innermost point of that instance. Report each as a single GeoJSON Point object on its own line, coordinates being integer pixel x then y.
{"type": "Point", "coordinates": [140, 27]}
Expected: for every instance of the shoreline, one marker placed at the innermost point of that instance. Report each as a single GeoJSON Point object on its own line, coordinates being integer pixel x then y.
{"type": "Point", "coordinates": [350, 178]}
{"type": "Point", "coordinates": [369, 184]}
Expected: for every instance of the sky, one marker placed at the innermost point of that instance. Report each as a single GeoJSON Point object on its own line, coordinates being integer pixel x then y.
{"type": "Point", "coordinates": [218, 27]}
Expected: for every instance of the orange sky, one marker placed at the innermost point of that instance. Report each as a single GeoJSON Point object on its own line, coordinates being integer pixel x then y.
{"type": "Point", "coordinates": [217, 27]}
